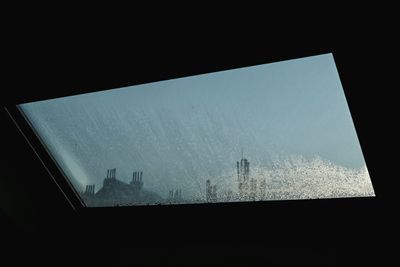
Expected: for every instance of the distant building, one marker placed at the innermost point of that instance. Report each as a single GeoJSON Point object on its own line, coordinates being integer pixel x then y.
{"type": "Point", "coordinates": [175, 196]}
{"type": "Point", "coordinates": [211, 192]}
{"type": "Point", "coordinates": [249, 188]}
{"type": "Point", "coordinates": [243, 173]}
{"type": "Point", "coordinates": [262, 189]}
{"type": "Point", "coordinates": [115, 192]}
{"type": "Point", "coordinates": [89, 191]}
{"type": "Point", "coordinates": [137, 182]}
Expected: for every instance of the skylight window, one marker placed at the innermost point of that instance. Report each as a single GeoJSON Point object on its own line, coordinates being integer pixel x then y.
{"type": "Point", "coordinates": [268, 132]}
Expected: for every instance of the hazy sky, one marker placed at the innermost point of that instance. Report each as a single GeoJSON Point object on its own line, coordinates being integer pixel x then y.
{"type": "Point", "coordinates": [180, 131]}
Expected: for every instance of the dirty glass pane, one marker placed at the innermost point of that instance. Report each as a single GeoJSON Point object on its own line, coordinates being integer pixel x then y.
{"type": "Point", "coordinates": [267, 132]}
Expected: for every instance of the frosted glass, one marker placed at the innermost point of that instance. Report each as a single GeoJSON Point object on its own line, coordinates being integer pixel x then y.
{"type": "Point", "coordinates": [268, 132]}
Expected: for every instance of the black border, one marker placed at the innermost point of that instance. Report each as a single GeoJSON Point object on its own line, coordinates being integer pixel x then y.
{"type": "Point", "coordinates": [45, 157]}
{"type": "Point", "coordinates": [48, 55]}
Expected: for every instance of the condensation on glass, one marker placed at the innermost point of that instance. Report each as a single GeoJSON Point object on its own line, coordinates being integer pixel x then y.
{"type": "Point", "coordinates": [268, 132]}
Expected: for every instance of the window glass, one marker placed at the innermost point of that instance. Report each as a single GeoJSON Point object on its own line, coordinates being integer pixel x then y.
{"type": "Point", "coordinates": [268, 132]}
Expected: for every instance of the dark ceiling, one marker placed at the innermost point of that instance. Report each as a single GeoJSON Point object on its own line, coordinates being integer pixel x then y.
{"type": "Point", "coordinates": [57, 65]}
